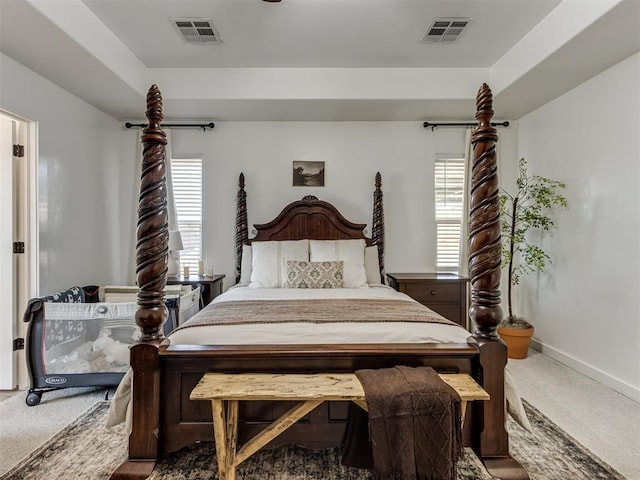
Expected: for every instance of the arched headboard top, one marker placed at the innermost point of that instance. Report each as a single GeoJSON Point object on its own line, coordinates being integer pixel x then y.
{"type": "Point", "coordinates": [310, 218]}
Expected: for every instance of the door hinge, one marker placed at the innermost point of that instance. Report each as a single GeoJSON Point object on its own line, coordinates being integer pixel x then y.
{"type": "Point", "coordinates": [18, 247]}
{"type": "Point", "coordinates": [18, 344]}
{"type": "Point", "coordinates": [18, 150]}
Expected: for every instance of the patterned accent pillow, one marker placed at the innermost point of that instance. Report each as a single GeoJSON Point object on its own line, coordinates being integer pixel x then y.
{"type": "Point", "coordinates": [314, 274]}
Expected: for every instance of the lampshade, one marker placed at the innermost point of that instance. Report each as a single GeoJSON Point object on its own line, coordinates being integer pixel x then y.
{"type": "Point", "coordinates": [175, 241]}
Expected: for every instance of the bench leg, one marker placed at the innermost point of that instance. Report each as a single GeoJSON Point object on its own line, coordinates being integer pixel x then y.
{"type": "Point", "coordinates": [232, 437]}
{"type": "Point", "coordinates": [275, 429]}
{"type": "Point", "coordinates": [463, 410]}
{"type": "Point", "coordinates": [225, 432]}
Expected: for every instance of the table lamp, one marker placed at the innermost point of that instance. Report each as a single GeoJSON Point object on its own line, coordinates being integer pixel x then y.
{"type": "Point", "coordinates": [175, 245]}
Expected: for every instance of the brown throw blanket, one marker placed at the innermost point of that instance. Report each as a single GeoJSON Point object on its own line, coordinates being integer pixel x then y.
{"type": "Point", "coordinates": [313, 311]}
{"type": "Point", "coordinates": [414, 423]}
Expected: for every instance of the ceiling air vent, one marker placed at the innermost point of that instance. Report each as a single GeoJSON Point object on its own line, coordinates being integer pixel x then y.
{"type": "Point", "coordinates": [445, 30]}
{"type": "Point", "coordinates": [196, 30]}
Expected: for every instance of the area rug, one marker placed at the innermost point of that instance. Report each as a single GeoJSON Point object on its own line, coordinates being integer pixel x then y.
{"type": "Point", "coordinates": [86, 449]}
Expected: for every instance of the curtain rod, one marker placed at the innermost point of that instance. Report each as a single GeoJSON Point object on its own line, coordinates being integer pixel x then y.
{"type": "Point", "coordinates": [203, 126]}
{"type": "Point", "coordinates": [461, 124]}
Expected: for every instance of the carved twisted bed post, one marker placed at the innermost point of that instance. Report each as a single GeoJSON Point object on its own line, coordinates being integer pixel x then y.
{"type": "Point", "coordinates": [151, 260]}
{"type": "Point", "coordinates": [485, 311]}
{"type": "Point", "coordinates": [377, 225]}
{"type": "Point", "coordinates": [242, 228]}
{"type": "Point", "coordinates": [484, 223]}
{"type": "Point", "coordinates": [153, 231]}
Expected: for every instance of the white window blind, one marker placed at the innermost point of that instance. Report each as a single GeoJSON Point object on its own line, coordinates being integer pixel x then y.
{"type": "Point", "coordinates": [449, 190]}
{"type": "Point", "coordinates": [186, 174]}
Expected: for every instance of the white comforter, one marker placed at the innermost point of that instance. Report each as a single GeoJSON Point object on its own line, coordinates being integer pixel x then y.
{"type": "Point", "coordinates": [312, 333]}
{"type": "Point", "coordinates": [317, 333]}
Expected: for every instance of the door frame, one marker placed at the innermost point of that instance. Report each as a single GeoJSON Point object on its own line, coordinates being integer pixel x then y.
{"type": "Point", "coordinates": [25, 275]}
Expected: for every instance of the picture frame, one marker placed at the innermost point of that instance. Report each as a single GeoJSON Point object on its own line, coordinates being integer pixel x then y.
{"type": "Point", "coordinates": [308, 173]}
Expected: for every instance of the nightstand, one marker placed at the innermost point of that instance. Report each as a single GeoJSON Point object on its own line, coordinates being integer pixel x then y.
{"type": "Point", "coordinates": [211, 286]}
{"type": "Point", "coordinates": [445, 293]}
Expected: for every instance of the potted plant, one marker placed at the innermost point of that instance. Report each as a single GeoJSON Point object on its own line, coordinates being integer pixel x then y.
{"type": "Point", "coordinates": [528, 209]}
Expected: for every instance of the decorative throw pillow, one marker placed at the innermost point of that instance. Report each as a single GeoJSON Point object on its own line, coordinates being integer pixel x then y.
{"type": "Point", "coordinates": [351, 252]}
{"type": "Point", "coordinates": [314, 274]}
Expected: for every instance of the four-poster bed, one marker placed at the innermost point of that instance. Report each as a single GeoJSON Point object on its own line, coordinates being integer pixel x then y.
{"type": "Point", "coordinates": [164, 419]}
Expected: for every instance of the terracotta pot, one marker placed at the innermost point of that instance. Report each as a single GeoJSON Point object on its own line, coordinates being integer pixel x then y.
{"type": "Point", "coordinates": [517, 340]}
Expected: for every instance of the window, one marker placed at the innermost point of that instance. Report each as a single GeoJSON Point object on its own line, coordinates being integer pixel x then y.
{"type": "Point", "coordinates": [186, 174]}
{"type": "Point", "coordinates": [449, 191]}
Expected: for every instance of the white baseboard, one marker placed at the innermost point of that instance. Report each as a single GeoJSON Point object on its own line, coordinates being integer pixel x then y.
{"type": "Point", "coordinates": [614, 383]}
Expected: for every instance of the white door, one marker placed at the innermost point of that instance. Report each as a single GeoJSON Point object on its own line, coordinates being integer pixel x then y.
{"type": "Point", "coordinates": [7, 274]}
{"type": "Point", "coordinates": [18, 271]}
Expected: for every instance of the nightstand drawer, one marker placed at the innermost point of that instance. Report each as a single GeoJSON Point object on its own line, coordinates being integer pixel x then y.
{"type": "Point", "coordinates": [444, 293]}
{"type": "Point", "coordinates": [433, 292]}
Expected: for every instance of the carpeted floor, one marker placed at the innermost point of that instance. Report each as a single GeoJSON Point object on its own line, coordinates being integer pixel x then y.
{"type": "Point", "coordinates": [23, 428]}
{"type": "Point", "coordinates": [87, 450]}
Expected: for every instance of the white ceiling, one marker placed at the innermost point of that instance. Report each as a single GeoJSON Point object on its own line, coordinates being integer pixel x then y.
{"type": "Point", "coordinates": [318, 59]}
{"type": "Point", "coordinates": [320, 33]}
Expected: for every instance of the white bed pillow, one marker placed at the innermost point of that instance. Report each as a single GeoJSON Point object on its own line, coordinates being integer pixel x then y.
{"type": "Point", "coordinates": [372, 265]}
{"type": "Point", "coordinates": [245, 265]}
{"type": "Point", "coordinates": [269, 261]}
{"type": "Point", "coordinates": [351, 252]}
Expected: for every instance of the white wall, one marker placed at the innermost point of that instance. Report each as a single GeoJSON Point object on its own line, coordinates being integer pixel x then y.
{"type": "Point", "coordinates": [87, 171]}
{"type": "Point", "coordinates": [79, 172]}
{"type": "Point", "coordinates": [586, 309]}
{"type": "Point", "coordinates": [352, 151]}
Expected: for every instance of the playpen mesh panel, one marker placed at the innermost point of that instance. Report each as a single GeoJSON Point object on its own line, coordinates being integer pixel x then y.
{"type": "Point", "coordinates": [88, 337]}
{"type": "Point", "coordinates": [95, 337]}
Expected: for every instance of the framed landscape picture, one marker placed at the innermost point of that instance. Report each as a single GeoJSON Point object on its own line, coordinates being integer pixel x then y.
{"type": "Point", "coordinates": [308, 174]}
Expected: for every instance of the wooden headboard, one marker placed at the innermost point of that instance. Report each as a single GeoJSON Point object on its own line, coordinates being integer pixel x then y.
{"type": "Point", "coordinates": [309, 218]}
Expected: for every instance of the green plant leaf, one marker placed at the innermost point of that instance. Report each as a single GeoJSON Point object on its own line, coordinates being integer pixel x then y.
{"type": "Point", "coordinates": [528, 209]}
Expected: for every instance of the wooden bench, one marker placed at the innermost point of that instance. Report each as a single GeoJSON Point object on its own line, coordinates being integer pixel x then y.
{"type": "Point", "coordinates": [226, 390]}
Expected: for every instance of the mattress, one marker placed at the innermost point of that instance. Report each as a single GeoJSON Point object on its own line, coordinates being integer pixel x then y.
{"type": "Point", "coordinates": [306, 332]}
